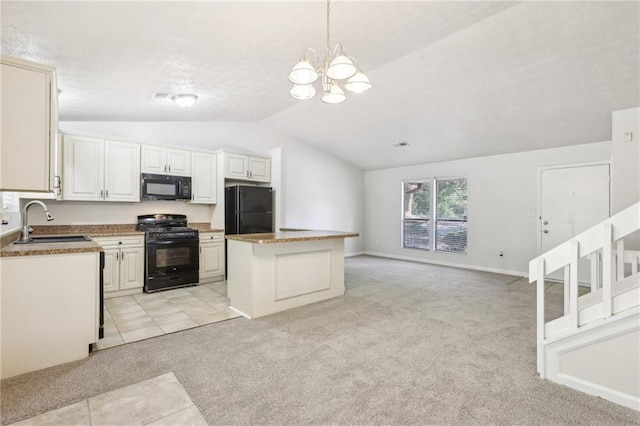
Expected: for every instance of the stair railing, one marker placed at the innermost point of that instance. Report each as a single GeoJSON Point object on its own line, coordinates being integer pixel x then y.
{"type": "Point", "coordinates": [595, 241]}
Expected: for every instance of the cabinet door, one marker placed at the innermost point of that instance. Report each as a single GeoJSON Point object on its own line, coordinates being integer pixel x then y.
{"type": "Point", "coordinates": [154, 160]}
{"type": "Point", "coordinates": [179, 162]}
{"type": "Point", "coordinates": [203, 178]}
{"type": "Point", "coordinates": [26, 145]}
{"type": "Point", "coordinates": [236, 166]}
{"type": "Point", "coordinates": [131, 268]}
{"type": "Point", "coordinates": [211, 260]}
{"type": "Point", "coordinates": [111, 269]}
{"type": "Point", "coordinates": [83, 168]}
{"type": "Point", "coordinates": [260, 169]}
{"type": "Point", "coordinates": [122, 171]}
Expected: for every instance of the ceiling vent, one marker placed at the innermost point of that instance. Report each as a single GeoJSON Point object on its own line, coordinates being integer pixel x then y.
{"type": "Point", "coordinates": [159, 96]}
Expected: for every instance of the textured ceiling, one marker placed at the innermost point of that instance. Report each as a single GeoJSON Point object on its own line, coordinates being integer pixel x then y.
{"type": "Point", "coordinates": [454, 79]}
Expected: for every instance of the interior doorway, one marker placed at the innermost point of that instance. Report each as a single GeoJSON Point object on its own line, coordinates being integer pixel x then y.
{"type": "Point", "coordinates": [572, 198]}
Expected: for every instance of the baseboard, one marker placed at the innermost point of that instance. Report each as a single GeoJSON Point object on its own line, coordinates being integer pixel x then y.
{"type": "Point", "coordinates": [595, 389]}
{"type": "Point", "coordinates": [357, 253]}
{"type": "Point", "coordinates": [450, 264]}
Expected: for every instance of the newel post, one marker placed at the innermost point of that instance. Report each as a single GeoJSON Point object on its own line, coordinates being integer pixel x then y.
{"type": "Point", "coordinates": [540, 315]}
{"type": "Point", "coordinates": [607, 270]}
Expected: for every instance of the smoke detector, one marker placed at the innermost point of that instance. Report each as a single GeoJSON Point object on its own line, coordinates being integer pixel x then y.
{"type": "Point", "coordinates": [401, 144]}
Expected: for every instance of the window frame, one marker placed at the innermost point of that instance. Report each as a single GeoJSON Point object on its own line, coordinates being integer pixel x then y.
{"type": "Point", "coordinates": [428, 220]}
{"type": "Point", "coordinates": [433, 215]}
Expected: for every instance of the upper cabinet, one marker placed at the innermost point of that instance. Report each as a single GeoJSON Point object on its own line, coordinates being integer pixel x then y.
{"type": "Point", "coordinates": [203, 178]}
{"type": "Point", "coordinates": [100, 170]}
{"type": "Point", "coordinates": [29, 117]}
{"type": "Point", "coordinates": [165, 161]}
{"type": "Point", "coordinates": [246, 167]}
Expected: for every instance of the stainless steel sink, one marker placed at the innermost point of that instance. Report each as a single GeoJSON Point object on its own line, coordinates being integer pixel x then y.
{"type": "Point", "coordinates": [55, 239]}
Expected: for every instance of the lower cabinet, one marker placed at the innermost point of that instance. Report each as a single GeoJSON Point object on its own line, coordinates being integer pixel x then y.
{"type": "Point", "coordinates": [211, 256]}
{"type": "Point", "coordinates": [124, 263]}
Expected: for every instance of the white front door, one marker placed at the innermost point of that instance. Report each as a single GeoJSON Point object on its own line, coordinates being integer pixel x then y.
{"type": "Point", "coordinates": [572, 199]}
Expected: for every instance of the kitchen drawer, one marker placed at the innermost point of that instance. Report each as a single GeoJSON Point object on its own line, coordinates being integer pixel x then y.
{"type": "Point", "coordinates": [122, 241]}
{"type": "Point", "coordinates": [206, 237]}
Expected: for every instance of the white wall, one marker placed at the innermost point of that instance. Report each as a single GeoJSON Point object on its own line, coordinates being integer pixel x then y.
{"type": "Point", "coordinates": [502, 191]}
{"type": "Point", "coordinates": [625, 162]}
{"type": "Point", "coordinates": [625, 159]}
{"type": "Point", "coordinates": [316, 190]}
{"type": "Point", "coordinates": [322, 192]}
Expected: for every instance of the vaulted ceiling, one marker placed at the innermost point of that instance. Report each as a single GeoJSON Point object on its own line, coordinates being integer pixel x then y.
{"type": "Point", "coordinates": [453, 79]}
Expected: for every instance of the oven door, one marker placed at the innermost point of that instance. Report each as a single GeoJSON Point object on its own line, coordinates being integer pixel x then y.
{"type": "Point", "coordinates": [171, 263]}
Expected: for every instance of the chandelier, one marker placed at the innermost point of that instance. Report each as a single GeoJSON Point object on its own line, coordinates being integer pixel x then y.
{"type": "Point", "coordinates": [336, 69]}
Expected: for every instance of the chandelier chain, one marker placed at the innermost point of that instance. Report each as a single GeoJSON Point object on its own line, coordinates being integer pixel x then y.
{"type": "Point", "coordinates": [328, 13]}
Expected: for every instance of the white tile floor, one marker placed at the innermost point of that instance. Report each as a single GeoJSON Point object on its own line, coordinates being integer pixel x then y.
{"type": "Point", "coordinates": [132, 318]}
{"type": "Point", "coordinates": [158, 401]}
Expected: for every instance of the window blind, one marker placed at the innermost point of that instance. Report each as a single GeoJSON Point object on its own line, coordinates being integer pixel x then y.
{"type": "Point", "coordinates": [451, 215]}
{"type": "Point", "coordinates": [416, 215]}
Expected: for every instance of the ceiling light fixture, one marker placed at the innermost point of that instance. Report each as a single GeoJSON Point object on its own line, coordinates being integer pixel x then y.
{"type": "Point", "coordinates": [185, 100]}
{"type": "Point", "coordinates": [334, 69]}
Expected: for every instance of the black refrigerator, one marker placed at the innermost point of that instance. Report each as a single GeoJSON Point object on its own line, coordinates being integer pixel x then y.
{"type": "Point", "coordinates": [248, 209]}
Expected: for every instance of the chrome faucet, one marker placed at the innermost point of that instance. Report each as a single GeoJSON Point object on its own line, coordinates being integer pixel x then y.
{"type": "Point", "coordinates": [25, 224]}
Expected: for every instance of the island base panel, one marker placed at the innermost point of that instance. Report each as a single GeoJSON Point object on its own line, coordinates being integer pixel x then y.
{"type": "Point", "coordinates": [269, 278]}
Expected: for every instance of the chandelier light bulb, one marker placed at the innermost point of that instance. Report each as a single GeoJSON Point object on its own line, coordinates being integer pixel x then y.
{"type": "Point", "coordinates": [302, 91]}
{"type": "Point", "coordinates": [358, 83]}
{"type": "Point", "coordinates": [303, 73]}
{"type": "Point", "coordinates": [341, 68]}
{"type": "Point", "coordinates": [334, 95]}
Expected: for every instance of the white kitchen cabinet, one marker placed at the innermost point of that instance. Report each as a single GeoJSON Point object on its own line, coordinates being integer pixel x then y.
{"type": "Point", "coordinates": [100, 170]}
{"type": "Point", "coordinates": [203, 178]}
{"type": "Point", "coordinates": [124, 263]}
{"type": "Point", "coordinates": [211, 256]}
{"type": "Point", "coordinates": [29, 117]}
{"type": "Point", "coordinates": [49, 307]}
{"type": "Point", "coordinates": [163, 161]}
{"type": "Point", "coordinates": [247, 167]}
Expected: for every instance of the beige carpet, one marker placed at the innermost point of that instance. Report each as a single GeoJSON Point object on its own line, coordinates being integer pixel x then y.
{"type": "Point", "coordinates": [408, 344]}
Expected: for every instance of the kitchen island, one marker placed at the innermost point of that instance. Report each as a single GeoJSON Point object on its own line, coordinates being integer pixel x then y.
{"type": "Point", "coordinates": [273, 272]}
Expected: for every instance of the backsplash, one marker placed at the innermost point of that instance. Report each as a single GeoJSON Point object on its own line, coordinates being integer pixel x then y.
{"type": "Point", "coordinates": [91, 213]}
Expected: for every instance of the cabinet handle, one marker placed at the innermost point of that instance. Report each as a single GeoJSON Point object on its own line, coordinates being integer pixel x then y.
{"type": "Point", "coordinates": [169, 168]}
{"type": "Point", "coordinates": [117, 255]}
{"type": "Point", "coordinates": [106, 193]}
{"type": "Point", "coordinates": [57, 184]}
{"type": "Point", "coordinates": [101, 193]}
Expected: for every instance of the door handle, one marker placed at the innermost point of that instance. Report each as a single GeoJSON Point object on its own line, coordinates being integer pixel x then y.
{"type": "Point", "coordinates": [546, 231]}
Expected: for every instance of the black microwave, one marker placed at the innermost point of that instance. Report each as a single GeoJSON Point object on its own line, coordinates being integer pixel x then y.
{"type": "Point", "coordinates": [165, 187]}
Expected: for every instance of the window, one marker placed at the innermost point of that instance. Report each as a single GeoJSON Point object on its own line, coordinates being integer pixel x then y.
{"type": "Point", "coordinates": [416, 215]}
{"type": "Point", "coordinates": [451, 215]}
{"type": "Point", "coordinates": [441, 229]}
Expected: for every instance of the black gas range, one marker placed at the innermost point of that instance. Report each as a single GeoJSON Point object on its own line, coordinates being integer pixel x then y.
{"type": "Point", "coordinates": [171, 252]}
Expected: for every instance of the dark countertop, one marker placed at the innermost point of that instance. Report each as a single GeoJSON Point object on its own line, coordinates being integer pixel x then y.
{"type": "Point", "coordinates": [11, 250]}
{"type": "Point", "coordinates": [291, 236]}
